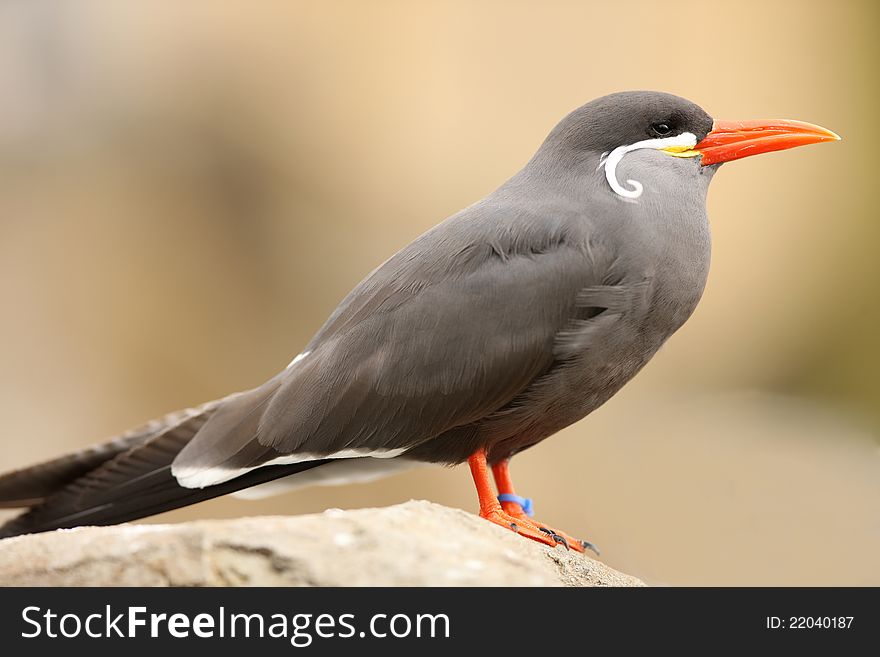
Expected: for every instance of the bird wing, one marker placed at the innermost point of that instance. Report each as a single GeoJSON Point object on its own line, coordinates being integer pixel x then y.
{"type": "Point", "coordinates": [444, 333]}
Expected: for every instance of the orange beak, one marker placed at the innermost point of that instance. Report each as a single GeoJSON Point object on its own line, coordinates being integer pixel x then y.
{"type": "Point", "coordinates": [732, 140]}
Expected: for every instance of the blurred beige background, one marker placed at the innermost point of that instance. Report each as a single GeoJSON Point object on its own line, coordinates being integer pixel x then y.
{"type": "Point", "coordinates": [188, 189]}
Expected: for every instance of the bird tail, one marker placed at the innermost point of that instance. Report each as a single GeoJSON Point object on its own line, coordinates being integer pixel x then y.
{"type": "Point", "coordinates": [124, 479]}
{"type": "Point", "coordinates": [31, 485]}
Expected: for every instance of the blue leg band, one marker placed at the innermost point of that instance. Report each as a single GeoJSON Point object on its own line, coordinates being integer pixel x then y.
{"type": "Point", "coordinates": [524, 502]}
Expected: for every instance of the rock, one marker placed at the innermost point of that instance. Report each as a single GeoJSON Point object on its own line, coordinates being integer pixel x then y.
{"type": "Point", "coordinates": [413, 544]}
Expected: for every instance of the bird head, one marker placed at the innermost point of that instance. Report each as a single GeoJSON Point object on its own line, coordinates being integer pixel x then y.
{"type": "Point", "coordinates": [608, 128]}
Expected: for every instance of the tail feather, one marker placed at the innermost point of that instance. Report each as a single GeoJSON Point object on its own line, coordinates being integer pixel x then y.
{"type": "Point", "coordinates": [134, 484]}
{"type": "Point", "coordinates": [31, 485]}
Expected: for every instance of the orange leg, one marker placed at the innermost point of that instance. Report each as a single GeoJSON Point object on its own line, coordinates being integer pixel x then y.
{"type": "Point", "coordinates": [491, 510]}
{"type": "Point", "coordinates": [501, 472]}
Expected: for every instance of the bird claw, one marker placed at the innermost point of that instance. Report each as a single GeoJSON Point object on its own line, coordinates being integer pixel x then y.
{"type": "Point", "coordinates": [585, 545]}
{"type": "Point", "coordinates": [556, 537]}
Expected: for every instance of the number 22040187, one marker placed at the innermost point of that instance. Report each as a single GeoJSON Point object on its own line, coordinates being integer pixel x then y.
{"type": "Point", "coordinates": [809, 622]}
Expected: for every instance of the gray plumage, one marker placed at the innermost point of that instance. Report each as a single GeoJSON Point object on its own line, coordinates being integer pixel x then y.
{"type": "Point", "coordinates": [500, 326]}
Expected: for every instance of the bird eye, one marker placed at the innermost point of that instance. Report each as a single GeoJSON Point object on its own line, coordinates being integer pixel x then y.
{"type": "Point", "coordinates": [661, 128]}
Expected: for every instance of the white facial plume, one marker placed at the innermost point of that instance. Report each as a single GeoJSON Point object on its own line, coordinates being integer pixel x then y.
{"type": "Point", "coordinates": [678, 144]}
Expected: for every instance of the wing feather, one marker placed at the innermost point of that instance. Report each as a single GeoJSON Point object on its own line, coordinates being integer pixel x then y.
{"type": "Point", "coordinates": [446, 332]}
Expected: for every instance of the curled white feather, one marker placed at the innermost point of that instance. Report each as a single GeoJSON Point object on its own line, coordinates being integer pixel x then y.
{"type": "Point", "coordinates": [682, 142]}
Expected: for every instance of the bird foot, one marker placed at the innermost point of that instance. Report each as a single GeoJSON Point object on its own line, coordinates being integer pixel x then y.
{"type": "Point", "coordinates": [525, 526]}
{"type": "Point", "coordinates": [522, 526]}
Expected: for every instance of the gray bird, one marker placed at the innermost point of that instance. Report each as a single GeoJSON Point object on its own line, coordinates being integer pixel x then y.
{"type": "Point", "coordinates": [495, 329]}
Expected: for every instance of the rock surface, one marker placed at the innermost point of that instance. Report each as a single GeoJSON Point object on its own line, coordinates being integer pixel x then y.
{"type": "Point", "coordinates": [412, 544]}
